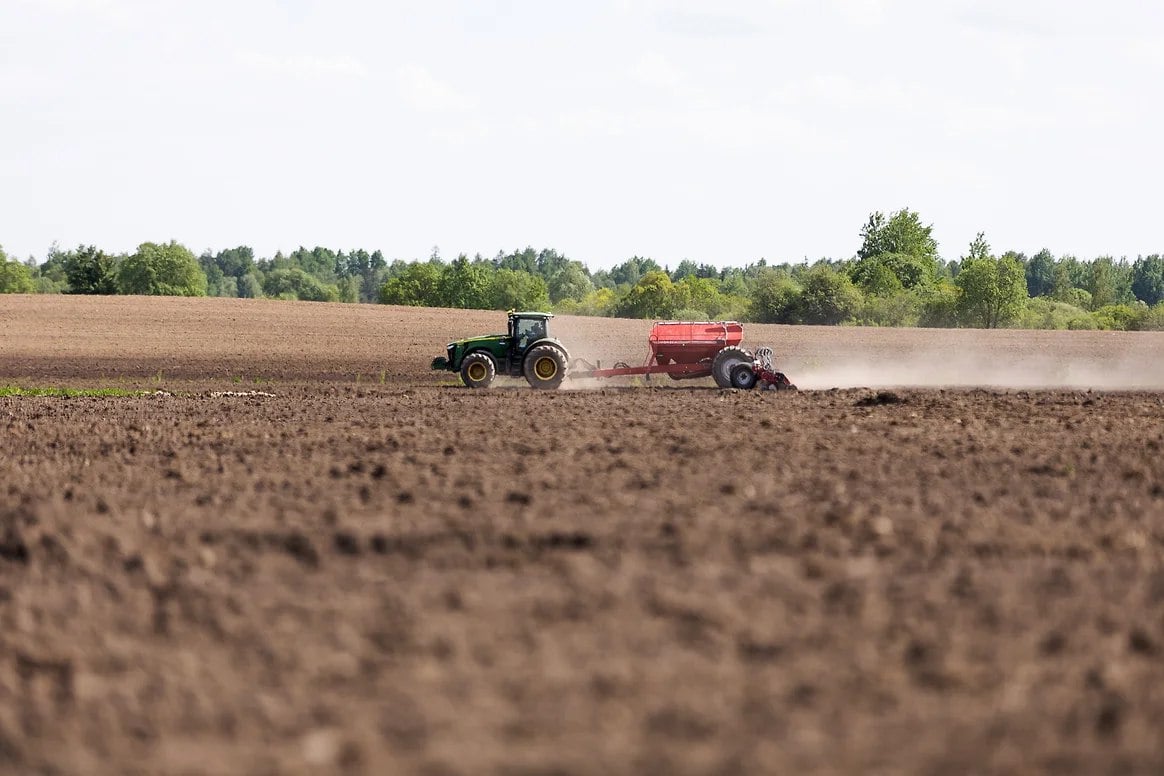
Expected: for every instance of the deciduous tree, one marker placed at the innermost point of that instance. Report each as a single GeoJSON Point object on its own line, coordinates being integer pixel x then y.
{"type": "Point", "coordinates": [827, 297]}
{"type": "Point", "coordinates": [903, 232]}
{"type": "Point", "coordinates": [510, 289]}
{"type": "Point", "coordinates": [417, 285]}
{"type": "Point", "coordinates": [774, 297]}
{"type": "Point", "coordinates": [1040, 274]}
{"type": "Point", "coordinates": [294, 283]}
{"type": "Point", "coordinates": [1148, 279]}
{"type": "Point", "coordinates": [992, 291]}
{"type": "Point", "coordinates": [90, 270]}
{"type": "Point", "coordinates": [653, 296]}
{"type": "Point", "coordinates": [161, 270]}
{"type": "Point", "coordinates": [15, 278]}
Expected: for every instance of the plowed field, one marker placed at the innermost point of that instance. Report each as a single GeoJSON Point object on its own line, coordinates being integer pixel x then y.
{"type": "Point", "coordinates": [375, 570]}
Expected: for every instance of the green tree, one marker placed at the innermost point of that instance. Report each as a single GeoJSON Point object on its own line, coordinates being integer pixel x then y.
{"type": "Point", "coordinates": [15, 278]}
{"type": "Point", "coordinates": [902, 233]}
{"type": "Point", "coordinates": [1101, 283]}
{"type": "Point", "coordinates": [979, 248]}
{"type": "Point", "coordinates": [993, 291]}
{"type": "Point", "coordinates": [320, 262]}
{"type": "Point", "coordinates": [349, 289]}
{"type": "Point", "coordinates": [464, 284]}
{"type": "Point", "coordinates": [1120, 317]}
{"type": "Point", "coordinates": [602, 279]}
{"type": "Point", "coordinates": [1040, 274]}
{"type": "Point", "coordinates": [417, 285]}
{"type": "Point", "coordinates": [632, 270]}
{"type": "Point", "coordinates": [598, 303]}
{"type": "Point", "coordinates": [228, 287]}
{"type": "Point", "coordinates": [90, 271]}
{"type": "Point", "coordinates": [876, 276]}
{"type": "Point", "coordinates": [295, 283]}
{"type": "Point", "coordinates": [1148, 279]}
{"type": "Point", "coordinates": [900, 244]}
{"type": "Point", "coordinates": [520, 261]}
{"type": "Point", "coordinates": [549, 263]}
{"type": "Point", "coordinates": [569, 282]}
{"type": "Point", "coordinates": [939, 305]}
{"type": "Point", "coordinates": [774, 297]}
{"type": "Point", "coordinates": [250, 286]}
{"type": "Point", "coordinates": [510, 289]}
{"type": "Point", "coordinates": [161, 270]}
{"type": "Point", "coordinates": [53, 268]}
{"type": "Point", "coordinates": [653, 296]}
{"type": "Point", "coordinates": [827, 297]}
{"type": "Point", "coordinates": [733, 283]}
{"type": "Point", "coordinates": [902, 308]}
{"type": "Point", "coordinates": [236, 262]}
{"type": "Point", "coordinates": [369, 268]}
{"type": "Point", "coordinates": [1061, 285]}
{"type": "Point", "coordinates": [696, 293]}
{"type": "Point", "coordinates": [686, 268]}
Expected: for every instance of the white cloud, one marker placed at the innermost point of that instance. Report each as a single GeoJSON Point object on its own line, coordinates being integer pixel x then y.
{"type": "Point", "coordinates": [593, 121]}
{"type": "Point", "coordinates": [426, 92]}
{"type": "Point", "coordinates": [860, 11]}
{"type": "Point", "coordinates": [839, 91]}
{"type": "Point", "coordinates": [655, 70]}
{"type": "Point", "coordinates": [1147, 51]}
{"type": "Point", "coordinates": [74, 5]}
{"type": "Point", "coordinates": [461, 133]}
{"type": "Point", "coordinates": [306, 65]}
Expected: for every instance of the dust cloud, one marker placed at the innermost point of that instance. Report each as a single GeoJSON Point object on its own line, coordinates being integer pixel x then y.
{"type": "Point", "coordinates": [823, 357]}
{"type": "Point", "coordinates": [979, 370]}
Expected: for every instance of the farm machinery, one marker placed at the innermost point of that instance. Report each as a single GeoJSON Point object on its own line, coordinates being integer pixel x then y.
{"type": "Point", "coordinates": [686, 350]}
{"type": "Point", "coordinates": [525, 350]}
{"type": "Point", "coordinates": [682, 350]}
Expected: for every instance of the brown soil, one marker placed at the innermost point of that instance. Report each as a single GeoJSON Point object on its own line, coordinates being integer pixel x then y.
{"type": "Point", "coordinates": [401, 575]}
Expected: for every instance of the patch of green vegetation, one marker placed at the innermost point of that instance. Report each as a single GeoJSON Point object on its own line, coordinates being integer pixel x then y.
{"type": "Point", "coordinates": [70, 393]}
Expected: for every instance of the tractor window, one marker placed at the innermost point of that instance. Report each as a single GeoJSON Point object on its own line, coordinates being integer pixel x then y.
{"type": "Point", "coordinates": [529, 330]}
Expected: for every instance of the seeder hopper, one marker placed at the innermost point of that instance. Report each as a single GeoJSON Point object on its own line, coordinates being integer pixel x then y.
{"type": "Point", "coordinates": [686, 350]}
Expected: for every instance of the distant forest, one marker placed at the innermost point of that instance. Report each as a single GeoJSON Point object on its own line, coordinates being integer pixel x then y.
{"type": "Point", "coordinates": [896, 278]}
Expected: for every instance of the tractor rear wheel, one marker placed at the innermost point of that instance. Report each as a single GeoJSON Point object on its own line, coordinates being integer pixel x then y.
{"type": "Point", "coordinates": [545, 366]}
{"type": "Point", "coordinates": [743, 377]}
{"type": "Point", "coordinates": [478, 370]}
{"type": "Point", "coordinates": [725, 361]}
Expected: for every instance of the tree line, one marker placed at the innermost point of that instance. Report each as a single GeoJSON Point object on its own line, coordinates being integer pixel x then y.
{"type": "Point", "coordinates": [896, 278]}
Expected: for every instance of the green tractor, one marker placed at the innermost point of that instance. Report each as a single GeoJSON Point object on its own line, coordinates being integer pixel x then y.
{"type": "Point", "coordinates": [526, 350]}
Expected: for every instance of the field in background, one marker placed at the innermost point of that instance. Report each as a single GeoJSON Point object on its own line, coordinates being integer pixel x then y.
{"type": "Point", "coordinates": [376, 571]}
{"type": "Point", "coordinates": [138, 339]}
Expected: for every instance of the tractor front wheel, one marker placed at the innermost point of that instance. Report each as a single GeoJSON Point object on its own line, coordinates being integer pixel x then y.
{"type": "Point", "coordinates": [478, 370]}
{"type": "Point", "coordinates": [545, 366]}
{"type": "Point", "coordinates": [725, 361]}
{"type": "Point", "coordinates": [743, 377]}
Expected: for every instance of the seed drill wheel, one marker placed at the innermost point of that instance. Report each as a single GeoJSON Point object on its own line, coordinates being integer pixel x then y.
{"type": "Point", "coordinates": [545, 366]}
{"type": "Point", "coordinates": [743, 377]}
{"type": "Point", "coordinates": [478, 370]}
{"type": "Point", "coordinates": [725, 361]}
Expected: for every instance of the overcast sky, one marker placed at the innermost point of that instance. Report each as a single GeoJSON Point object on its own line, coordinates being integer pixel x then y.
{"type": "Point", "coordinates": [721, 131]}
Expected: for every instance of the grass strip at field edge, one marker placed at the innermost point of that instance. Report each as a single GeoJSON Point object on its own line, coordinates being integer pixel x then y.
{"type": "Point", "coordinates": [72, 393]}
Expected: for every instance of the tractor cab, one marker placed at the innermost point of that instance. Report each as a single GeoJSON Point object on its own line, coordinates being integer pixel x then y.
{"type": "Point", "coordinates": [526, 329]}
